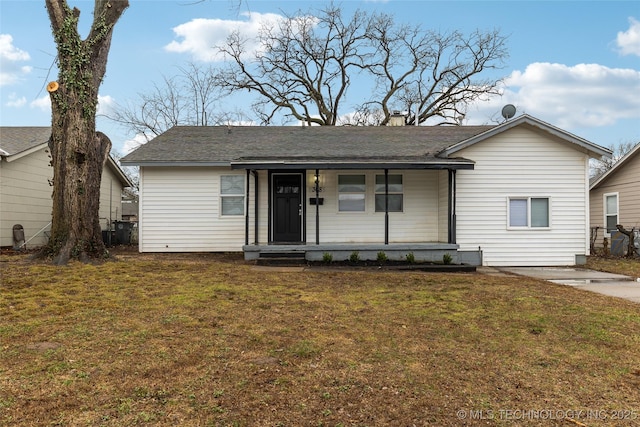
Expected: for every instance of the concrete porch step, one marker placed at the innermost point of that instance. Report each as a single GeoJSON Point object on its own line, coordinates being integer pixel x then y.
{"type": "Point", "coordinates": [281, 258]}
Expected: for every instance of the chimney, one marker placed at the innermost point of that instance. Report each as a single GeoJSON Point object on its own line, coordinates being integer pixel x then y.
{"type": "Point", "coordinates": [396, 119]}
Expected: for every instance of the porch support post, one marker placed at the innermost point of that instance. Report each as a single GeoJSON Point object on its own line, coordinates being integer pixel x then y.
{"type": "Point", "coordinates": [452, 206]}
{"type": "Point", "coordinates": [255, 208]}
{"type": "Point", "coordinates": [317, 188]}
{"type": "Point", "coordinates": [386, 206]}
{"type": "Point", "coordinates": [246, 213]}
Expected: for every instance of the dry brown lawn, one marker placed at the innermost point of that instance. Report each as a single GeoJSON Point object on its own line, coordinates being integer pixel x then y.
{"type": "Point", "coordinates": [208, 340]}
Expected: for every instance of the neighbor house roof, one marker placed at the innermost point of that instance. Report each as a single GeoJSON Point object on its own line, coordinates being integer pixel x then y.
{"type": "Point", "coordinates": [19, 141]}
{"type": "Point", "coordinates": [326, 147]}
{"type": "Point", "coordinates": [635, 151]}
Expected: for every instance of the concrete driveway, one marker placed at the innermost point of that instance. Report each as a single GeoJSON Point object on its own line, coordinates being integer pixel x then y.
{"type": "Point", "coordinates": [615, 285]}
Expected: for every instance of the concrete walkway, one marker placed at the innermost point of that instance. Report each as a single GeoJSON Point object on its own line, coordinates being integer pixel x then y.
{"type": "Point", "coordinates": [615, 285]}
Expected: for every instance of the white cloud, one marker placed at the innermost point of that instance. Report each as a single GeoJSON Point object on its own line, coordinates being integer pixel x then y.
{"type": "Point", "coordinates": [106, 104]}
{"type": "Point", "coordinates": [135, 142]}
{"type": "Point", "coordinates": [16, 102]}
{"type": "Point", "coordinates": [43, 103]}
{"type": "Point", "coordinates": [629, 41]}
{"type": "Point", "coordinates": [583, 95]}
{"type": "Point", "coordinates": [10, 57]}
{"type": "Point", "coordinates": [201, 36]}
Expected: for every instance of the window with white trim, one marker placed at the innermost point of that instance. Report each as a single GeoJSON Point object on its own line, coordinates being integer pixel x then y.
{"type": "Point", "coordinates": [351, 193]}
{"type": "Point", "coordinates": [529, 212]}
{"type": "Point", "coordinates": [611, 212]}
{"type": "Point", "coordinates": [232, 195]}
{"type": "Point", "coordinates": [396, 196]}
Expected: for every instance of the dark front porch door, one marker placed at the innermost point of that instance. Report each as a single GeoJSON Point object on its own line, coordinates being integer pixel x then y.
{"type": "Point", "coordinates": [287, 208]}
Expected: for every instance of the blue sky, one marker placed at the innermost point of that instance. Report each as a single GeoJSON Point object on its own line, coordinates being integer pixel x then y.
{"type": "Point", "coordinates": [574, 64]}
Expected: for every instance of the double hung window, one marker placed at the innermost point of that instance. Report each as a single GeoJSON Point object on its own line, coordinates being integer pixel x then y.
{"type": "Point", "coordinates": [395, 193]}
{"type": "Point", "coordinates": [232, 195]}
{"type": "Point", "coordinates": [611, 212]}
{"type": "Point", "coordinates": [529, 212]}
{"type": "Point", "coordinates": [351, 193]}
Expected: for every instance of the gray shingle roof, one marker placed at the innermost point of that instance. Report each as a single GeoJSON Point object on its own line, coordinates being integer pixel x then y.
{"type": "Point", "coordinates": [15, 140]}
{"type": "Point", "coordinates": [222, 144]}
{"type": "Point", "coordinates": [18, 139]}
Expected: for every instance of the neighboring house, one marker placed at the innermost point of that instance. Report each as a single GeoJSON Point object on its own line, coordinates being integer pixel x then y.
{"type": "Point", "coordinates": [510, 194]}
{"type": "Point", "coordinates": [130, 210]}
{"type": "Point", "coordinates": [25, 185]}
{"type": "Point", "coordinates": [615, 197]}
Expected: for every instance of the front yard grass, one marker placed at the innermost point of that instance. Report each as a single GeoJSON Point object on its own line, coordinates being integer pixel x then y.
{"type": "Point", "coordinates": [619, 265]}
{"type": "Point", "coordinates": [207, 340]}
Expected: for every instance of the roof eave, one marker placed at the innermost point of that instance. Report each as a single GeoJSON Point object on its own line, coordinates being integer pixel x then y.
{"type": "Point", "coordinates": [171, 163]}
{"type": "Point", "coordinates": [21, 154]}
{"type": "Point", "coordinates": [590, 148]}
{"type": "Point", "coordinates": [359, 165]}
{"type": "Point", "coordinates": [115, 168]}
{"type": "Point", "coordinates": [635, 150]}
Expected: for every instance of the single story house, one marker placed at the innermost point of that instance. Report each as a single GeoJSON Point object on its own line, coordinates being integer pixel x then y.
{"type": "Point", "coordinates": [26, 178]}
{"type": "Point", "coordinates": [516, 193]}
{"type": "Point", "coordinates": [615, 198]}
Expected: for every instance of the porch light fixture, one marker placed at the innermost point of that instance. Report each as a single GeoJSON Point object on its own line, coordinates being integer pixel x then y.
{"type": "Point", "coordinates": [318, 181]}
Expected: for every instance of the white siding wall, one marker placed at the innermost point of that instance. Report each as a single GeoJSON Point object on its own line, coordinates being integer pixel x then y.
{"type": "Point", "coordinates": [180, 211]}
{"type": "Point", "coordinates": [418, 222]}
{"type": "Point", "coordinates": [25, 197]}
{"type": "Point", "coordinates": [521, 163]}
{"type": "Point", "coordinates": [263, 207]}
{"type": "Point", "coordinates": [110, 198]}
{"type": "Point", "coordinates": [443, 202]}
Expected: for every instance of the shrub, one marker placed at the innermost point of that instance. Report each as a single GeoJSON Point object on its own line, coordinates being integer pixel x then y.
{"type": "Point", "coordinates": [411, 259]}
{"type": "Point", "coordinates": [446, 259]}
{"type": "Point", "coordinates": [382, 257]}
{"type": "Point", "coordinates": [327, 258]}
{"type": "Point", "coordinates": [354, 257]}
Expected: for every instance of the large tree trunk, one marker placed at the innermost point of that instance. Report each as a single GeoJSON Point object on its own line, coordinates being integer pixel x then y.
{"type": "Point", "coordinates": [78, 151]}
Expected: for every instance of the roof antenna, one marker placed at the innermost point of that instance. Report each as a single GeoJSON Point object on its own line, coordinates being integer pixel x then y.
{"type": "Point", "coordinates": [508, 111]}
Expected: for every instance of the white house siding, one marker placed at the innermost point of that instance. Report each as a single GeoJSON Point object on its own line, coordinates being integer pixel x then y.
{"type": "Point", "coordinates": [110, 198]}
{"type": "Point", "coordinates": [25, 197]}
{"type": "Point", "coordinates": [180, 211]}
{"type": "Point", "coordinates": [521, 163]}
{"type": "Point", "coordinates": [417, 223]}
{"type": "Point", "coordinates": [263, 208]}
{"type": "Point", "coordinates": [443, 203]}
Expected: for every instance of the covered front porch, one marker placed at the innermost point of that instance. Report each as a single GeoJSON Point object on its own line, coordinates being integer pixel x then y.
{"type": "Point", "coordinates": [314, 209]}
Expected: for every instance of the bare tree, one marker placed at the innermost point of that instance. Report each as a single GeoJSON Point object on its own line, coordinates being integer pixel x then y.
{"type": "Point", "coordinates": [306, 64]}
{"type": "Point", "coordinates": [78, 152]}
{"type": "Point", "coordinates": [599, 167]}
{"type": "Point", "coordinates": [189, 98]}
{"type": "Point", "coordinates": [435, 74]}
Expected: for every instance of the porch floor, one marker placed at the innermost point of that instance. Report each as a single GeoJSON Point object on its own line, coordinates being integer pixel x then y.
{"type": "Point", "coordinates": [422, 252]}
